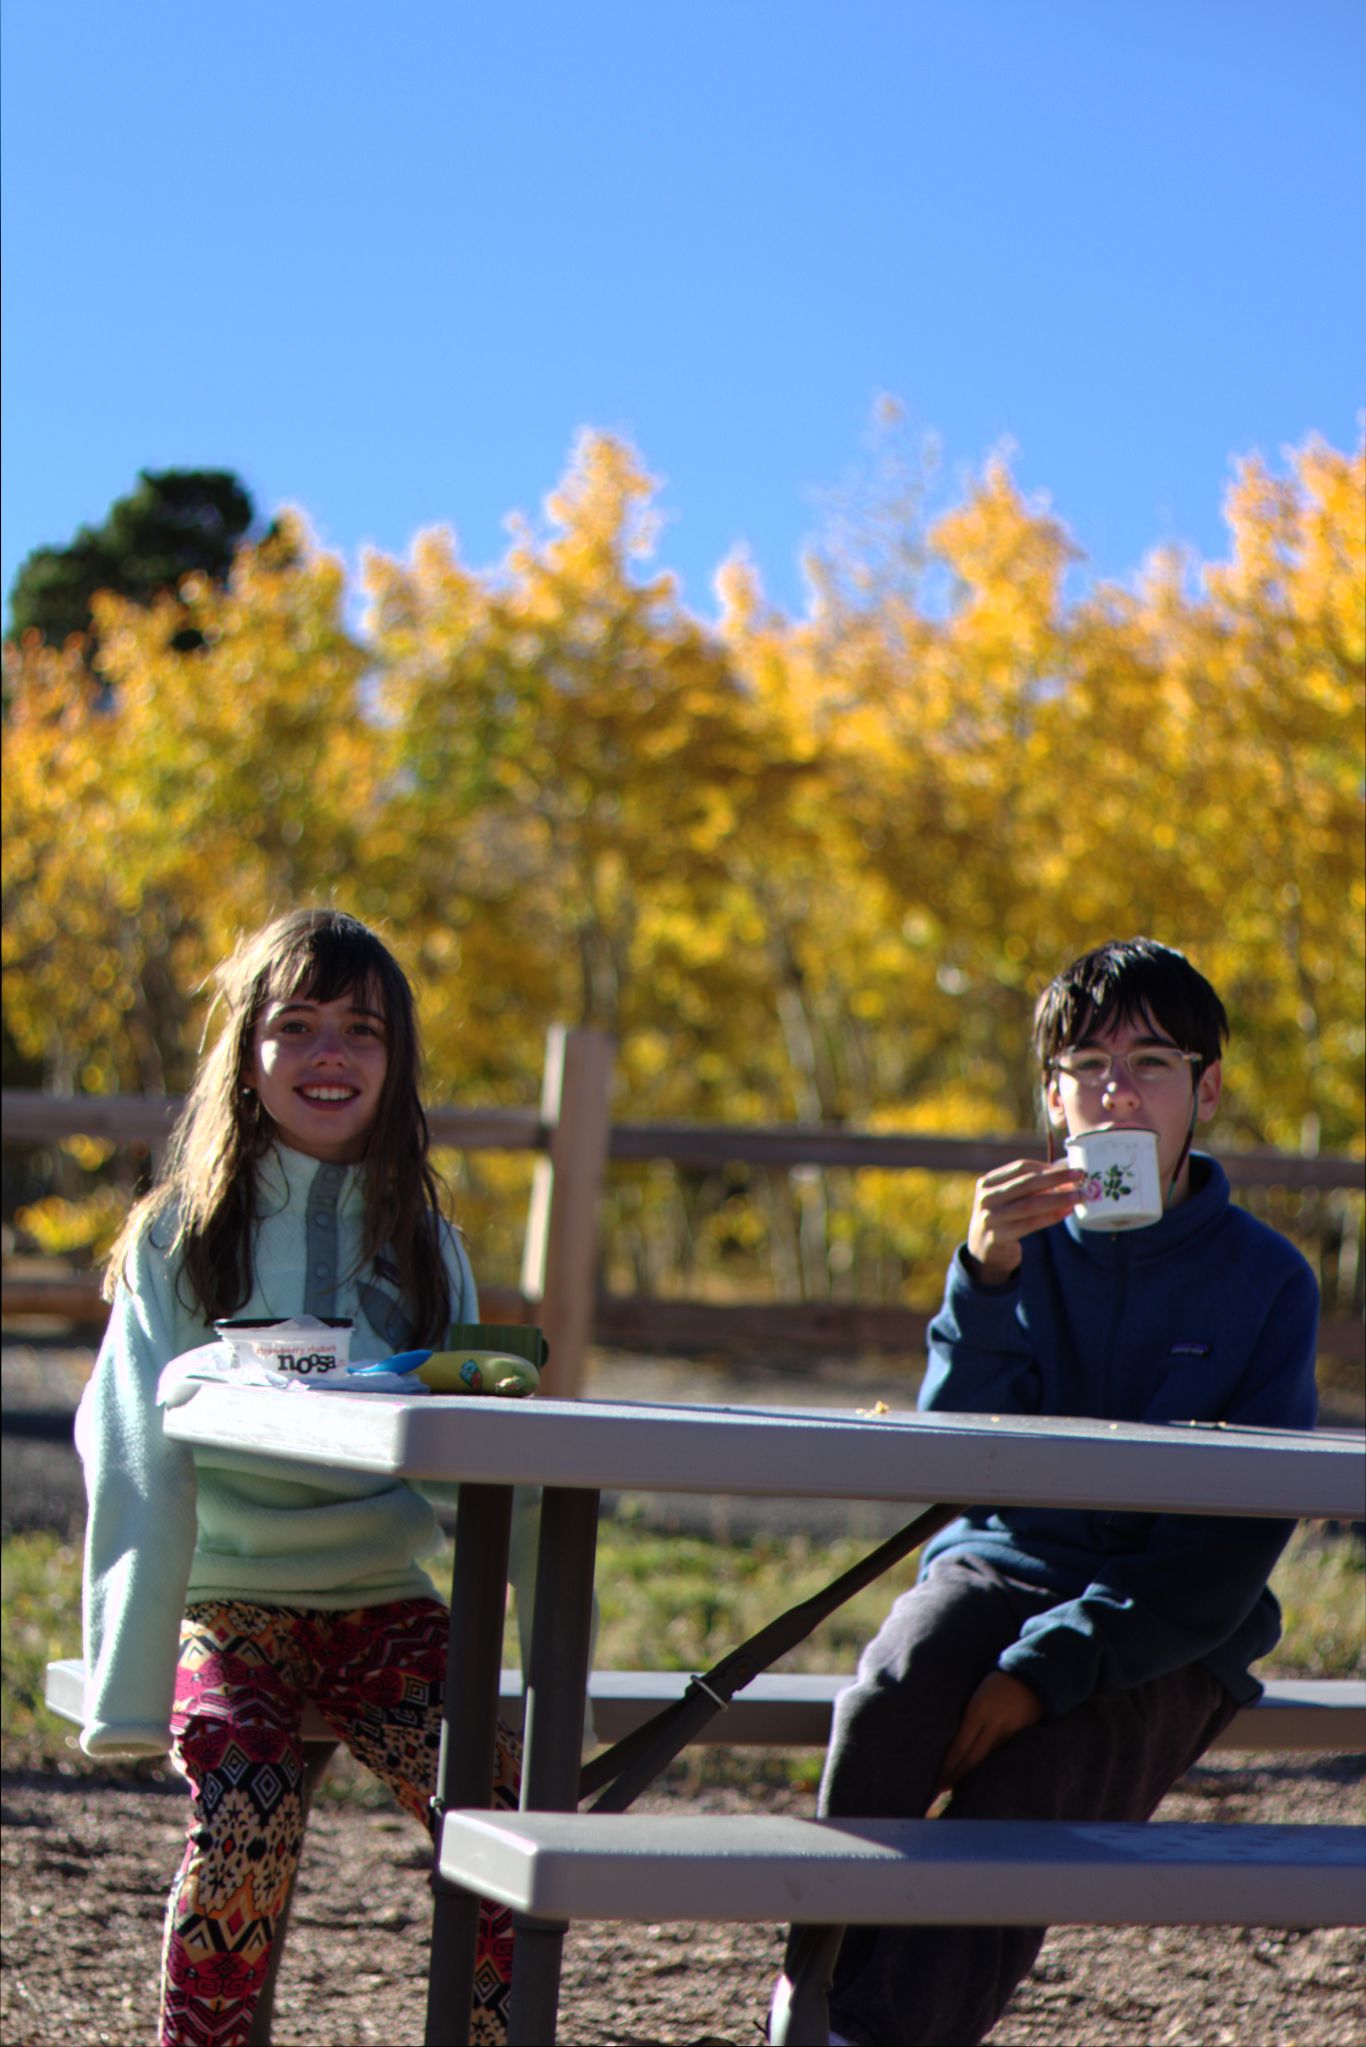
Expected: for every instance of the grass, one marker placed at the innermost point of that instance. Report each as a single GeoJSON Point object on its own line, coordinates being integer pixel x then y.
{"type": "Point", "coordinates": [1321, 1584]}
{"type": "Point", "coordinates": [666, 1602]}
{"type": "Point", "coordinates": [40, 1618]}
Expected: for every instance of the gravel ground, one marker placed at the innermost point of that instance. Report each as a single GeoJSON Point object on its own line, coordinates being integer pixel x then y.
{"type": "Point", "coordinates": [87, 1858]}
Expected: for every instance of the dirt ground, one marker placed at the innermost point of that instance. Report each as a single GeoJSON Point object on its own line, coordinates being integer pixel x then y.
{"type": "Point", "coordinates": [86, 1862]}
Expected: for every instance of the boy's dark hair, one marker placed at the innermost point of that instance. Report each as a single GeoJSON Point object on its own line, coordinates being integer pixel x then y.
{"type": "Point", "coordinates": [1128, 980]}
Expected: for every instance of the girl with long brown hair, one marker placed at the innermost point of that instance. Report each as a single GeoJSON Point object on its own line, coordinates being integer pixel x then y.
{"type": "Point", "coordinates": [221, 1599]}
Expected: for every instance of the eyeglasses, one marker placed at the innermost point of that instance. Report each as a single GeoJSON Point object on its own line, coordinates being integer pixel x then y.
{"type": "Point", "coordinates": [1150, 1066]}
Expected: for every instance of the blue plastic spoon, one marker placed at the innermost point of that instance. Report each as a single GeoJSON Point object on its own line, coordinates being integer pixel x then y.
{"type": "Point", "coordinates": [403, 1361]}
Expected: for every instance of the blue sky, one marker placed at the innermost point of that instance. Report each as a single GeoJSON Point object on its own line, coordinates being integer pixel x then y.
{"type": "Point", "coordinates": [385, 262]}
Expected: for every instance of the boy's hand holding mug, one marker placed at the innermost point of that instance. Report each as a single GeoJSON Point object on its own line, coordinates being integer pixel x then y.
{"type": "Point", "coordinates": [1010, 1203]}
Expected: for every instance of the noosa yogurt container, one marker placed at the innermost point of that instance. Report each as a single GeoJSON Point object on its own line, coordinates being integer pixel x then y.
{"type": "Point", "coordinates": [1123, 1188]}
{"type": "Point", "coordinates": [307, 1347]}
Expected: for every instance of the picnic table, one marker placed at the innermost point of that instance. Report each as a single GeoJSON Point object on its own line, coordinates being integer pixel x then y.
{"type": "Point", "coordinates": [577, 1449]}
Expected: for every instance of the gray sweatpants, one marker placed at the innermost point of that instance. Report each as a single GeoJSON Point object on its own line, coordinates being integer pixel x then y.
{"type": "Point", "coordinates": [1113, 1758]}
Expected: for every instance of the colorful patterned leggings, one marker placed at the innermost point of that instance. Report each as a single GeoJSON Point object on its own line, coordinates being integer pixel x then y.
{"type": "Point", "coordinates": [377, 1675]}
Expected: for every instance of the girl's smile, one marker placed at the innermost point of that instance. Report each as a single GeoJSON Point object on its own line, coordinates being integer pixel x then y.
{"type": "Point", "coordinates": [319, 1070]}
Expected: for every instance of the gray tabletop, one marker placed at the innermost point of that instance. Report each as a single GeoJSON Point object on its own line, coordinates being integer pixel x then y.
{"type": "Point", "coordinates": [790, 1452]}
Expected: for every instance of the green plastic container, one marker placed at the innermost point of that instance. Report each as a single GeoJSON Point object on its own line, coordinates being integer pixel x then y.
{"type": "Point", "coordinates": [517, 1339]}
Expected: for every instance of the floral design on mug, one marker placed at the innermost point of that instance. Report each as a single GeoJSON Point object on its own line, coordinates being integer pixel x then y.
{"type": "Point", "coordinates": [1117, 1184]}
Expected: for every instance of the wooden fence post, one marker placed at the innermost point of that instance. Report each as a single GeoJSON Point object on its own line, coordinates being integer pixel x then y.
{"type": "Point", "coordinates": [560, 1254]}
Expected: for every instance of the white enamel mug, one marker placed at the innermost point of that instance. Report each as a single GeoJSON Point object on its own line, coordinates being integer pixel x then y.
{"type": "Point", "coordinates": [1123, 1189]}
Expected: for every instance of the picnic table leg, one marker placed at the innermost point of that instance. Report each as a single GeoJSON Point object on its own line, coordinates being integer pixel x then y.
{"type": "Point", "coordinates": [469, 1721]}
{"type": "Point", "coordinates": [556, 1684]}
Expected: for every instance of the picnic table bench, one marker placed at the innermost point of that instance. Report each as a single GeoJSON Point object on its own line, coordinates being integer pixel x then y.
{"type": "Point", "coordinates": [756, 1867]}
{"type": "Point", "coordinates": [792, 1709]}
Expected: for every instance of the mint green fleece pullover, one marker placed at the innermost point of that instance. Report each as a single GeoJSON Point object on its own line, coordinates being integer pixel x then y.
{"type": "Point", "coordinates": [168, 1526]}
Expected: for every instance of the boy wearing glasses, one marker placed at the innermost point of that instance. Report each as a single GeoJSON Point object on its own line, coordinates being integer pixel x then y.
{"type": "Point", "coordinates": [1058, 1664]}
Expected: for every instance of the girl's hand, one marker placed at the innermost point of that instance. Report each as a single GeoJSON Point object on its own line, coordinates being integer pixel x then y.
{"type": "Point", "coordinates": [1001, 1706]}
{"type": "Point", "coordinates": [1010, 1203]}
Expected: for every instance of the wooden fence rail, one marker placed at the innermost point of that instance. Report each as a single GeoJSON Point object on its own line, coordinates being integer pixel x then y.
{"type": "Point", "coordinates": [817, 1144]}
{"type": "Point", "coordinates": [33, 1118]}
{"type": "Point", "coordinates": [574, 1140]}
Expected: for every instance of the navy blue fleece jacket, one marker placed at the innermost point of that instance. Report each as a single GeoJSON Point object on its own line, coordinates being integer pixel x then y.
{"type": "Point", "coordinates": [1207, 1315]}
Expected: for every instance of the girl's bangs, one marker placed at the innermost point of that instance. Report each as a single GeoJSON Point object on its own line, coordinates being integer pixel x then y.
{"type": "Point", "coordinates": [326, 965]}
